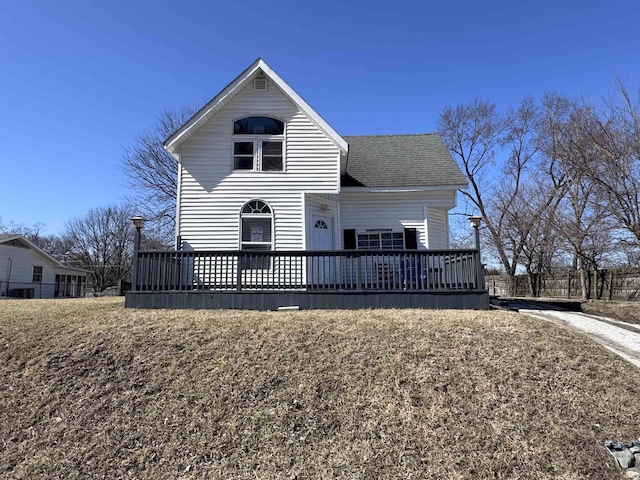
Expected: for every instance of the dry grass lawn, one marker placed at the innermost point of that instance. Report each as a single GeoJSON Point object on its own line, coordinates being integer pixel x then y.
{"type": "Point", "coordinates": [91, 390]}
{"type": "Point", "coordinates": [625, 311]}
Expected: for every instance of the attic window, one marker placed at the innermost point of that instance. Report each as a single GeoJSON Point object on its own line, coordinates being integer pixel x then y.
{"type": "Point", "coordinates": [258, 144]}
{"type": "Point", "coordinates": [260, 84]}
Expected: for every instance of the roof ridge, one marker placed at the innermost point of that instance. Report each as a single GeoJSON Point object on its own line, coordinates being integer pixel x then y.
{"type": "Point", "coordinates": [396, 135]}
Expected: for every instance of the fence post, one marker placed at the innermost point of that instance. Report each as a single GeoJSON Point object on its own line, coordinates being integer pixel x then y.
{"type": "Point", "coordinates": [610, 284]}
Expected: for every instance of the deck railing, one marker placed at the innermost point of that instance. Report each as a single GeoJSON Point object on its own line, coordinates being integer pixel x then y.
{"type": "Point", "coordinates": [347, 270]}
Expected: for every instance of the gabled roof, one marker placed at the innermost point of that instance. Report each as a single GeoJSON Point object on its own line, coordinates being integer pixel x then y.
{"type": "Point", "coordinates": [391, 161]}
{"type": "Point", "coordinates": [5, 238]}
{"type": "Point", "coordinates": [201, 117]}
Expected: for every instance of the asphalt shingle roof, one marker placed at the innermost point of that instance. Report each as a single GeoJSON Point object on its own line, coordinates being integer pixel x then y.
{"type": "Point", "coordinates": [420, 160]}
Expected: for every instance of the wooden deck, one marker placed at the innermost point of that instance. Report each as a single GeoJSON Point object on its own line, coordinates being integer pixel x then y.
{"type": "Point", "coordinates": [317, 279]}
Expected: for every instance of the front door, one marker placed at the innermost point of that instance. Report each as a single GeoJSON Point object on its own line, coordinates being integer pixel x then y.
{"type": "Point", "coordinates": [322, 268]}
{"type": "Point", "coordinates": [321, 233]}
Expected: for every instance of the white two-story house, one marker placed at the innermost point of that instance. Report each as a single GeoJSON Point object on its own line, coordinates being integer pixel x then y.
{"type": "Point", "coordinates": [261, 172]}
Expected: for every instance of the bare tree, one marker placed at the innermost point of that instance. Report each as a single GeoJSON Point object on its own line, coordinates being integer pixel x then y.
{"type": "Point", "coordinates": [556, 181]}
{"type": "Point", "coordinates": [153, 174]}
{"type": "Point", "coordinates": [102, 242]}
{"type": "Point", "coordinates": [505, 189]}
{"type": "Point", "coordinates": [597, 150]}
{"type": "Point", "coordinates": [473, 133]}
{"type": "Point", "coordinates": [615, 169]}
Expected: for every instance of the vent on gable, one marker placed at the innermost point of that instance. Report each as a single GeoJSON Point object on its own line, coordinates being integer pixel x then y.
{"type": "Point", "coordinates": [260, 83]}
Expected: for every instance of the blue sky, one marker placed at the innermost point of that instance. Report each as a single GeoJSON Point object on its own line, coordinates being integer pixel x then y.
{"type": "Point", "coordinates": [80, 79]}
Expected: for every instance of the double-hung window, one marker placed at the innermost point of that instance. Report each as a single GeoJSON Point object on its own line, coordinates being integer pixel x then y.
{"type": "Point", "coordinates": [37, 274]}
{"type": "Point", "coordinates": [258, 144]}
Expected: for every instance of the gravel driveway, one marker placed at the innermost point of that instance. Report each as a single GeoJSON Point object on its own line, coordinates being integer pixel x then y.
{"type": "Point", "coordinates": [619, 337]}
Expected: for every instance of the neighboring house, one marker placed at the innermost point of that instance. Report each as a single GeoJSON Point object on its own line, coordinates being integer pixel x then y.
{"type": "Point", "coordinates": [263, 177]}
{"type": "Point", "coordinates": [27, 271]}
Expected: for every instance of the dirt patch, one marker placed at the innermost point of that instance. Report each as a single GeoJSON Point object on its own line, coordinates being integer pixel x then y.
{"type": "Point", "coordinates": [91, 389]}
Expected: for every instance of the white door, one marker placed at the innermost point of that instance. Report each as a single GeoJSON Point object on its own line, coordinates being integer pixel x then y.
{"type": "Point", "coordinates": [321, 269]}
{"type": "Point", "coordinates": [321, 233]}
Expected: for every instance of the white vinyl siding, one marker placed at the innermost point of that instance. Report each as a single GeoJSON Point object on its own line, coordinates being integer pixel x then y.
{"type": "Point", "coordinates": [17, 271]}
{"type": "Point", "coordinates": [325, 205]}
{"type": "Point", "coordinates": [212, 193]}
{"type": "Point", "coordinates": [397, 211]}
{"type": "Point", "coordinates": [438, 228]}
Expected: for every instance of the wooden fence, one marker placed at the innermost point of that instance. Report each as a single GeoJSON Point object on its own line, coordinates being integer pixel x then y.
{"type": "Point", "coordinates": [612, 284]}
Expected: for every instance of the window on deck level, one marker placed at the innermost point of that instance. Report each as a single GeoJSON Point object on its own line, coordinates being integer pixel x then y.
{"type": "Point", "coordinates": [256, 233]}
{"type": "Point", "coordinates": [381, 241]}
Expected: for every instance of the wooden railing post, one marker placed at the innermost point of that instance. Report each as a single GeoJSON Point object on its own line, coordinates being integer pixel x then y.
{"type": "Point", "coordinates": [239, 271]}
{"type": "Point", "coordinates": [479, 273]}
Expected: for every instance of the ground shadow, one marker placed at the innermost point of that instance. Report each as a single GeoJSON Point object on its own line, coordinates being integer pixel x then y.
{"type": "Point", "coordinates": [555, 304]}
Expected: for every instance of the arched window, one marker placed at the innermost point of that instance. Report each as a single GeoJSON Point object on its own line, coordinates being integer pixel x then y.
{"type": "Point", "coordinates": [256, 232]}
{"type": "Point", "coordinates": [258, 144]}
{"type": "Point", "coordinates": [258, 126]}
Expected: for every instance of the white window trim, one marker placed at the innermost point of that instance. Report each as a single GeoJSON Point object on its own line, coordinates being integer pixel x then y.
{"type": "Point", "coordinates": [272, 243]}
{"type": "Point", "coordinates": [257, 141]}
{"type": "Point", "coordinates": [380, 233]}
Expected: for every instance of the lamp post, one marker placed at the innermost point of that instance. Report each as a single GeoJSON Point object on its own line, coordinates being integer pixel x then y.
{"type": "Point", "coordinates": [138, 224]}
{"type": "Point", "coordinates": [475, 221]}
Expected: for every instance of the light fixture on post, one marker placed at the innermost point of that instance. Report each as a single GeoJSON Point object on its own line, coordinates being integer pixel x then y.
{"type": "Point", "coordinates": [475, 221]}
{"type": "Point", "coordinates": [138, 224]}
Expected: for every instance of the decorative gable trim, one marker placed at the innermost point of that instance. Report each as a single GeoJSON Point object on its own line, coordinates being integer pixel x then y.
{"type": "Point", "coordinates": [219, 101]}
